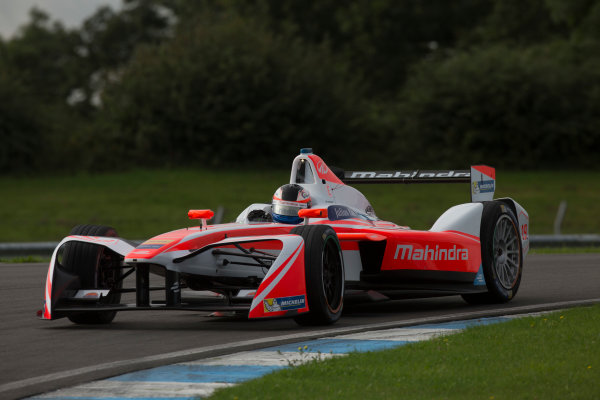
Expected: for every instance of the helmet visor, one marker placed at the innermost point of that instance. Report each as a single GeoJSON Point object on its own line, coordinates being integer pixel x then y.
{"type": "Point", "coordinates": [289, 208]}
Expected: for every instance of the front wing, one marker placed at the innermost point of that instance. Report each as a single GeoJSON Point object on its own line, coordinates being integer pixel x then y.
{"type": "Point", "coordinates": [281, 292]}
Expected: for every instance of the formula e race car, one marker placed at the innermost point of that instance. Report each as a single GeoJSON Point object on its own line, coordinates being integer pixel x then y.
{"type": "Point", "coordinates": [297, 256]}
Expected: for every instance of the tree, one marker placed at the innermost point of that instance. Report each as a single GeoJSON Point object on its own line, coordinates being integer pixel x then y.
{"type": "Point", "coordinates": [517, 23]}
{"type": "Point", "coordinates": [43, 56]}
{"type": "Point", "coordinates": [227, 91]}
{"type": "Point", "coordinates": [19, 132]}
{"type": "Point", "coordinates": [380, 39]}
{"type": "Point", "coordinates": [108, 39]}
{"type": "Point", "coordinates": [533, 108]}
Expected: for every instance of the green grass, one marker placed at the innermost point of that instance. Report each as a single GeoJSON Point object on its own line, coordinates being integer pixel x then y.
{"type": "Point", "coordinates": [555, 356]}
{"type": "Point", "coordinates": [24, 259]}
{"type": "Point", "coordinates": [139, 204]}
{"type": "Point", "coordinates": [143, 203]}
{"type": "Point", "coordinates": [565, 250]}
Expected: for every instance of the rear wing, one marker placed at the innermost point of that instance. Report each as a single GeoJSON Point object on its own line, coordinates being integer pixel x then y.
{"type": "Point", "coordinates": [481, 177]}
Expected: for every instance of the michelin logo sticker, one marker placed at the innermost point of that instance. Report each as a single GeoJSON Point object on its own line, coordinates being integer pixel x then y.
{"type": "Point", "coordinates": [479, 278]}
{"type": "Point", "coordinates": [284, 303]}
{"type": "Point", "coordinates": [483, 187]}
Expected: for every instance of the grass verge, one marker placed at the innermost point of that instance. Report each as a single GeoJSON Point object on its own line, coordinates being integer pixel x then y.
{"type": "Point", "coordinates": [25, 259]}
{"type": "Point", "coordinates": [143, 203]}
{"type": "Point", "coordinates": [565, 250]}
{"type": "Point", "coordinates": [554, 356]}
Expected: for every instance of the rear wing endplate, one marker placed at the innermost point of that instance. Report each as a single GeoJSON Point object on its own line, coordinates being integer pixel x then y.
{"type": "Point", "coordinates": [481, 177]}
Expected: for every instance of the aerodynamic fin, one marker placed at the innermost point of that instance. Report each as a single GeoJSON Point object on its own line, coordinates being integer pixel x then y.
{"type": "Point", "coordinates": [483, 183]}
{"type": "Point", "coordinates": [481, 177]}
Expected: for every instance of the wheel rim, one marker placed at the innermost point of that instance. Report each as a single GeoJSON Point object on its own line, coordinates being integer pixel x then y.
{"type": "Point", "coordinates": [108, 275]}
{"type": "Point", "coordinates": [108, 271]}
{"type": "Point", "coordinates": [506, 252]}
{"type": "Point", "coordinates": [332, 275]}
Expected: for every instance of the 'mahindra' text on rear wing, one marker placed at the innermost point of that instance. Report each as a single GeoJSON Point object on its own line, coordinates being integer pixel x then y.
{"type": "Point", "coordinates": [481, 177]}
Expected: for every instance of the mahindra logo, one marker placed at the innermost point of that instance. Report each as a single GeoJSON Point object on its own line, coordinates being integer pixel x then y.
{"type": "Point", "coordinates": [322, 168]}
{"type": "Point", "coordinates": [409, 174]}
{"type": "Point", "coordinates": [408, 252]}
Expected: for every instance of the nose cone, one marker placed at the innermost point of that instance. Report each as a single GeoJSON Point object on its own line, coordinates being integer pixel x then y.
{"type": "Point", "coordinates": [158, 244]}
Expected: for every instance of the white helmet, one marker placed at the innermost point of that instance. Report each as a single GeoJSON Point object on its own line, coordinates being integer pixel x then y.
{"type": "Point", "coordinates": [287, 201]}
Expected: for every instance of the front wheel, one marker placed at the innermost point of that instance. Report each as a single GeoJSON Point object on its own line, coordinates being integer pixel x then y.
{"type": "Point", "coordinates": [324, 275]}
{"type": "Point", "coordinates": [97, 268]}
{"type": "Point", "coordinates": [501, 254]}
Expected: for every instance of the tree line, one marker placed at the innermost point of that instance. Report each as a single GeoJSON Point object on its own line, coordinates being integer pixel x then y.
{"type": "Point", "coordinates": [246, 83]}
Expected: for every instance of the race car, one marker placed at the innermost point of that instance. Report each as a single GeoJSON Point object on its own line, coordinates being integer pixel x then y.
{"type": "Point", "coordinates": [298, 255]}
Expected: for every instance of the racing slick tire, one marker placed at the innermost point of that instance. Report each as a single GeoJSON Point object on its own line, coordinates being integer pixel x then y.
{"type": "Point", "coordinates": [324, 275]}
{"type": "Point", "coordinates": [97, 268]}
{"type": "Point", "coordinates": [501, 255]}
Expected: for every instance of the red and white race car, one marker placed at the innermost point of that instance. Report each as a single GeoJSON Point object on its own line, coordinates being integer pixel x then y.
{"type": "Point", "coordinates": [298, 255]}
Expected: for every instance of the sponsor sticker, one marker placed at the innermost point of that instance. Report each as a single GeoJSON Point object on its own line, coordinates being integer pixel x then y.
{"type": "Point", "coordinates": [407, 174]}
{"type": "Point", "coordinates": [154, 243]}
{"type": "Point", "coordinates": [336, 213]}
{"type": "Point", "coordinates": [284, 303]}
{"type": "Point", "coordinates": [322, 168]}
{"type": "Point", "coordinates": [479, 278]}
{"type": "Point", "coordinates": [483, 187]}
{"type": "Point", "coordinates": [437, 253]}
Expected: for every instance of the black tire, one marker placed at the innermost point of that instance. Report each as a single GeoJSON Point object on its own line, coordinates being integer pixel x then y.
{"type": "Point", "coordinates": [501, 255]}
{"type": "Point", "coordinates": [97, 268]}
{"type": "Point", "coordinates": [324, 275]}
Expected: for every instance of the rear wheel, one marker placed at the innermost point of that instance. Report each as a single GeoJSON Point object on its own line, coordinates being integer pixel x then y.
{"type": "Point", "coordinates": [97, 268]}
{"type": "Point", "coordinates": [324, 275]}
{"type": "Point", "coordinates": [501, 254]}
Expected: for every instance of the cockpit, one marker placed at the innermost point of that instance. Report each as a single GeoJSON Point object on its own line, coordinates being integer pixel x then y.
{"type": "Point", "coordinates": [304, 173]}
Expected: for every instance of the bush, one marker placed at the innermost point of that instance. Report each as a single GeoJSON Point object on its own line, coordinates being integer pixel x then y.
{"type": "Point", "coordinates": [229, 92]}
{"type": "Point", "coordinates": [20, 132]}
{"type": "Point", "coordinates": [519, 108]}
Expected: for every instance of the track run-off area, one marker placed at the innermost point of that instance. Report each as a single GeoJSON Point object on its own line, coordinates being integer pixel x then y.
{"type": "Point", "coordinates": [40, 356]}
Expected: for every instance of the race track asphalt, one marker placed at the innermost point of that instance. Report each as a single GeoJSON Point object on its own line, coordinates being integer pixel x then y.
{"type": "Point", "coordinates": [32, 348]}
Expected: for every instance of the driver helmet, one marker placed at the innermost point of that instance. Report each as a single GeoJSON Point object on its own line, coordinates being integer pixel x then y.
{"type": "Point", "coordinates": [287, 201]}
